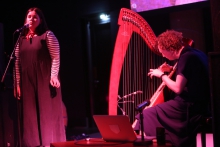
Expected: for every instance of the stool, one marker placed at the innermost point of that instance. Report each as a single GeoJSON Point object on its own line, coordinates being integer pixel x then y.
{"type": "Point", "coordinates": [205, 127]}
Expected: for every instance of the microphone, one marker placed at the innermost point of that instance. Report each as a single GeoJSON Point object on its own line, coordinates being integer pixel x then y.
{"type": "Point", "coordinates": [137, 92]}
{"type": "Point", "coordinates": [142, 105]}
{"type": "Point", "coordinates": [134, 93]}
{"type": "Point", "coordinates": [20, 29]}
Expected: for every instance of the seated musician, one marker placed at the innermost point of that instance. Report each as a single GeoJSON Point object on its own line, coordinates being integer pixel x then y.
{"type": "Point", "coordinates": [181, 115]}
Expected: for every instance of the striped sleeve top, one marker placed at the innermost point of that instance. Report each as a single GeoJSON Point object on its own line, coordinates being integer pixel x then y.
{"type": "Point", "coordinates": [54, 50]}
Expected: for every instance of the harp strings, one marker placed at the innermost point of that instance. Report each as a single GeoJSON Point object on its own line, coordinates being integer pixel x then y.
{"type": "Point", "coordinates": [136, 85]}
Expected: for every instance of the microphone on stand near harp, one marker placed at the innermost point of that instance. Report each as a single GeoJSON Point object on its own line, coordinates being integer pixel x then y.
{"type": "Point", "coordinates": [143, 141]}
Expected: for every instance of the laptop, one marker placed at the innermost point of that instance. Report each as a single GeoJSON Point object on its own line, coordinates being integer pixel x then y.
{"type": "Point", "coordinates": [115, 128]}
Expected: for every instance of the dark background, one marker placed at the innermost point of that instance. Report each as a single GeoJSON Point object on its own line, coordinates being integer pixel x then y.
{"type": "Point", "coordinates": [86, 46]}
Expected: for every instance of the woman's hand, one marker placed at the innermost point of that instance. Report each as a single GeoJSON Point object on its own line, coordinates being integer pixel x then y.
{"type": "Point", "coordinates": [55, 82]}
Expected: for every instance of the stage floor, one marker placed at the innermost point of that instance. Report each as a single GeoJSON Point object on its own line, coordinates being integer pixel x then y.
{"type": "Point", "coordinates": [76, 133]}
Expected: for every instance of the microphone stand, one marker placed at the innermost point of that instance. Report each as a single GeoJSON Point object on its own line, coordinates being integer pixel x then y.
{"type": "Point", "coordinates": [15, 86]}
{"type": "Point", "coordinates": [126, 96]}
{"type": "Point", "coordinates": [3, 76]}
{"type": "Point", "coordinates": [143, 141]}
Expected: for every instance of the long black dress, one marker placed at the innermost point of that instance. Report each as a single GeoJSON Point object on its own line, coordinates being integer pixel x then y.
{"type": "Point", "coordinates": [181, 116]}
{"type": "Point", "coordinates": [41, 104]}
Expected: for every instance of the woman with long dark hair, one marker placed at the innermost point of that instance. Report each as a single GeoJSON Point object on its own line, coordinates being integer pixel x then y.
{"type": "Point", "coordinates": [37, 82]}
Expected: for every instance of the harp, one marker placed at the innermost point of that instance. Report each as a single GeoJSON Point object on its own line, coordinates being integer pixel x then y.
{"type": "Point", "coordinates": [134, 54]}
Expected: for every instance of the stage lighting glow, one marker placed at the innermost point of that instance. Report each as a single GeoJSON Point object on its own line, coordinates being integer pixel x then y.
{"type": "Point", "coordinates": [104, 17]}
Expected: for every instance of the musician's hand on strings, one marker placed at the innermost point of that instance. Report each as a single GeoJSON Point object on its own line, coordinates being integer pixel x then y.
{"type": "Point", "coordinates": [155, 72]}
{"type": "Point", "coordinates": [165, 67]}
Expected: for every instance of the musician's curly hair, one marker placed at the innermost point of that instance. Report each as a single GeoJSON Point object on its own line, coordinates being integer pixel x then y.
{"type": "Point", "coordinates": [170, 40]}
